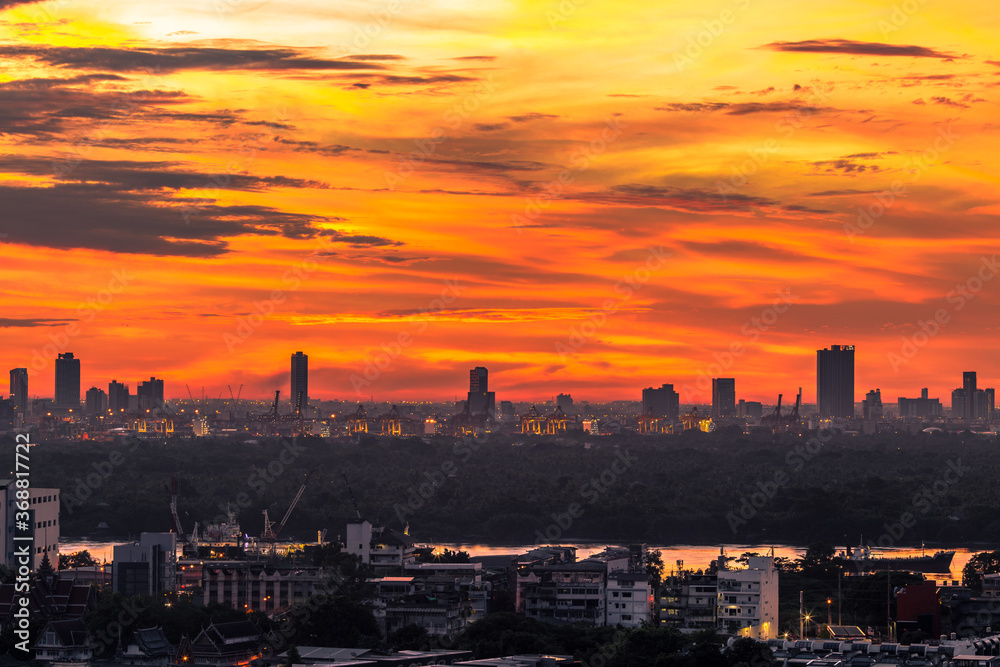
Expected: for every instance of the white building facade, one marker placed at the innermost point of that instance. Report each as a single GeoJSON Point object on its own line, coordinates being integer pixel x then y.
{"type": "Point", "coordinates": [748, 599]}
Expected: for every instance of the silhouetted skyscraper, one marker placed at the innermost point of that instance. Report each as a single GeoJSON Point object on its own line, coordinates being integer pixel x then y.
{"type": "Point", "coordinates": [480, 398]}
{"type": "Point", "coordinates": [662, 402]}
{"type": "Point", "coordinates": [300, 379]}
{"type": "Point", "coordinates": [969, 386]}
{"type": "Point", "coordinates": [97, 401]}
{"type": "Point", "coordinates": [150, 394]}
{"type": "Point", "coordinates": [723, 397]}
{"type": "Point", "coordinates": [67, 382]}
{"type": "Point", "coordinates": [118, 396]}
{"type": "Point", "coordinates": [479, 379]}
{"type": "Point", "coordinates": [835, 381]}
{"type": "Point", "coordinates": [19, 390]}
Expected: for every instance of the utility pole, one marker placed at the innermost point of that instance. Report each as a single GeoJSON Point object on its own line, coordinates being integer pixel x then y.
{"type": "Point", "coordinates": [840, 620]}
{"type": "Point", "coordinates": [801, 636]}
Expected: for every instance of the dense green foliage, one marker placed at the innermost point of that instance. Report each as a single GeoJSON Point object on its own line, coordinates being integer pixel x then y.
{"type": "Point", "coordinates": [987, 562]}
{"type": "Point", "coordinates": [686, 488]}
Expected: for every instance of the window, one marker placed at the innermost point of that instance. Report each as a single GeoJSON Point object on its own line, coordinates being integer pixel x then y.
{"type": "Point", "coordinates": [626, 617]}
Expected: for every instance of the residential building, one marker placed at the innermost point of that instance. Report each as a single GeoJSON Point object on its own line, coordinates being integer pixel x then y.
{"type": "Point", "coordinates": [43, 524]}
{"type": "Point", "coordinates": [662, 402]}
{"type": "Point", "coordinates": [629, 599]}
{"type": "Point", "coordinates": [723, 397]}
{"type": "Point", "coordinates": [67, 382]}
{"type": "Point", "coordinates": [922, 407]}
{"type": "Point", "coordinates": [440, 614]}
{"type": "Point", "coordinates": [750, 409]}
{"type": "Point", "coordinates": [19, 391]}
{"type": "Point", "coordinates": [748, 599]}
{"type": "Point", "coordinates": [380, 547]}
{"type": "Point", "coordinates": [146, 567]}
{"type": "Point", "coordinates": [150, 394]}
{"type": "Point", "coordinates": [835, 381]}
{"type": "Point", "coordinates": [871, 407]}
{"type": "Point", "coordinates": [118, 397]}
{"type": "Point", "coordinates": [564, 593]}
{"type": "Point", "coordinates": [688, 602]}
{"type": "Point", "coordinates": [97, 401]}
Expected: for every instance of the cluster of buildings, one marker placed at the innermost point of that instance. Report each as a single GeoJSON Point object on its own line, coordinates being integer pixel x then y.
{"type": "Point", "coordinates": [145, 414]}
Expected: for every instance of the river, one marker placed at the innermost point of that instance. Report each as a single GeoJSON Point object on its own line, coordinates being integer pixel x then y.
{"type": "Point", "coordinates": [693, 557]}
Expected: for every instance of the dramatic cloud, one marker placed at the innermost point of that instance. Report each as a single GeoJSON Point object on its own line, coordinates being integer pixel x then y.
{"type": "Point", "coordinates": [848, 46]}
{"type": "Point", "coordinates": [172, 59]}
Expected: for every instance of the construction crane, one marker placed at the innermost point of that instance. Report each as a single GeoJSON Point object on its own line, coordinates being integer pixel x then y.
{"type": "Point", "coordinates": [271, 533]}
{"type": "Point", "coordinates": [190, 395]}
{"type": "Point", "coordinates": [353, 500]}
{"type": "Point", "coordinates": [173, 510]}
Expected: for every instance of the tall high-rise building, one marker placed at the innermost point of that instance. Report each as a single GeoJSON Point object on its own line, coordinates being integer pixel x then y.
{"type": "Point", "coordinates": [969, 385]}
{"type": "Point", "coordinates": [971, 402]}
{"type": "Point", "coordinates": [662, 402]}
{"type": "Point", "coordinates": [97, 401]}
{"type": "Point", "coordinates": [565, 403]}
{"type": "Point", "coordinates": [835, 381]}
{"type": "Point", "coordinates": [67, 382]}
{"type": "Point", "coordinates": [300, 379]}
{"type": "Point", "coordinates": [479, 379]}
{"type": "Point", "coordinates": [118, 397]}
{"type": "Point", "coordinates": [723, 397]}
{"type": "Point", "coordinates": [480, 398]}
{"type": "Point", "coordinates": [150, 394]}
{"type": "Point", "coordinates": [19, 390]}
{"type": "Point", "coordinates": [872, 408]}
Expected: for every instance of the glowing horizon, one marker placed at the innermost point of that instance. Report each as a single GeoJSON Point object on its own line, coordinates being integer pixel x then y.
{"type": "Point", "coordinates": [584, 198]}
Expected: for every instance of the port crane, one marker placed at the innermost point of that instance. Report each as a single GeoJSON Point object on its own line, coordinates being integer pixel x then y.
{"type": "Point", "coordinates": [271, 533]}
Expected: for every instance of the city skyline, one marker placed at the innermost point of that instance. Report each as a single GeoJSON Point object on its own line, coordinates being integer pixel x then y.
{"type": "Point", "coordinates": [478, 384]}
{"type": "Point", "coordinates": [198, 190]}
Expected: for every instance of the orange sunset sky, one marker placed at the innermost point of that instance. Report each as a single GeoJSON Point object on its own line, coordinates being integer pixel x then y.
{"type": "Point", "coordinates": [584, 196]}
